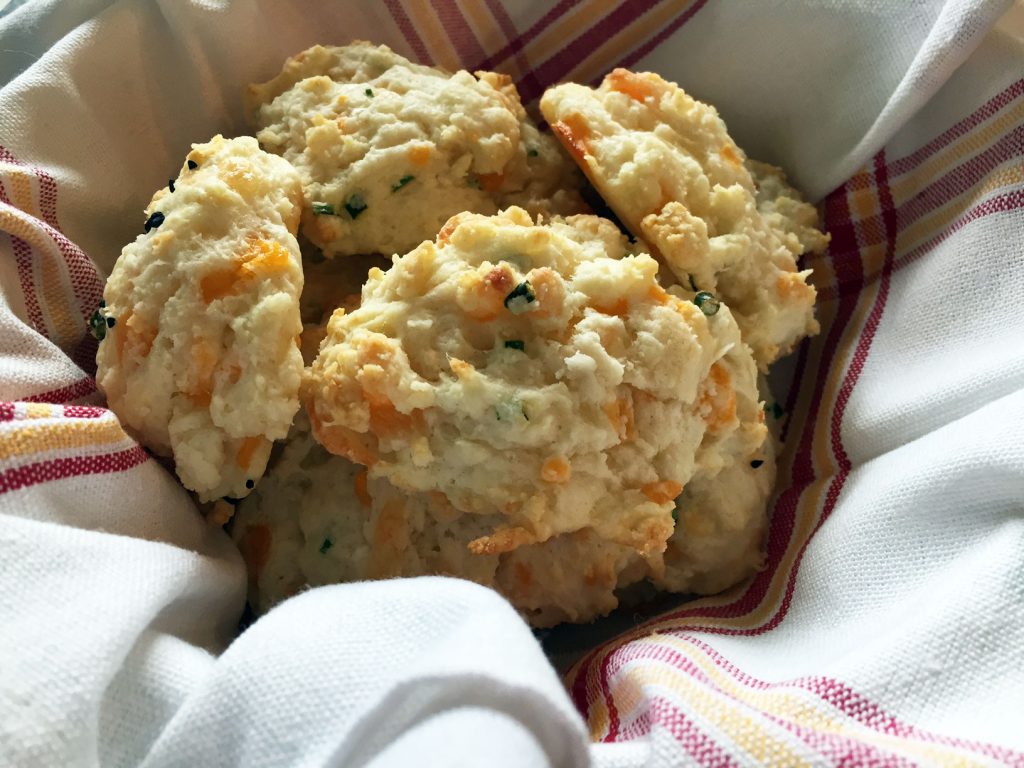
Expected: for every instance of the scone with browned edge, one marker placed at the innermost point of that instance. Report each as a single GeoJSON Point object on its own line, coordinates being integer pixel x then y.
{"type": "Point", "coordinates": [200, 358]}
{"type": "Point", "coordinates": [528, 403]}
{"type": "Point", "coordinates": [388, 150]}
{"type": "Point", "coordinates": [666, 165]}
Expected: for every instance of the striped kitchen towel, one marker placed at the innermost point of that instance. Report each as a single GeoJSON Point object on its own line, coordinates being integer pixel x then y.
{"type": "Point", "coordinates": [888, 626]}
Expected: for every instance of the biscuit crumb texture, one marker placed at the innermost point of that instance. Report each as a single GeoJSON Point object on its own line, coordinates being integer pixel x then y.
{"type": "Point", "coordinates": [667, 166]}
{"type": "Point", "coordinates": [202, 360]}
{"type": "Point", "coordinates": [499, 407]}
{"type": "Point", "coordinates": [389, 150]}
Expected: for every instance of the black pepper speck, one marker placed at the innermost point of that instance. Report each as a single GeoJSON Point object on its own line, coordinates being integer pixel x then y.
{"type": "Point", "coordinates": [154, 221]}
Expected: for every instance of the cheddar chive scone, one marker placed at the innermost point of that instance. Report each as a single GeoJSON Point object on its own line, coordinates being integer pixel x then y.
{"type": "Point", "coordinates": [388, 150]}
{"type": "Point", "coordinates": [318, 519]}
{"type": "Point", "coordinates": [666, 165]}
{"type": "Point", "coordinates": [200, 360]}
{"type": "Point", "coordinates": [506, 390]}
{"type": "Point", "coordinates": [508, 365]}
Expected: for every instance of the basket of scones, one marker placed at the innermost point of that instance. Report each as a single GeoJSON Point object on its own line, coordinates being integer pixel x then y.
{"type": "Point", "coordinates": [407, 328]}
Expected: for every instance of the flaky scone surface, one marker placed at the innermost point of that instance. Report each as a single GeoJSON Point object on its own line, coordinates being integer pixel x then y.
{"type": "Point", "coordinates": [318, 519]}
{"type": "Point", "coordinates": [521, 369]}
{"type": "Point", "coordinates": [389, 150]}
{"type": "Point", "coordinates": [201, 360]}
{"type": "Point", "coordinates": [666, 164]}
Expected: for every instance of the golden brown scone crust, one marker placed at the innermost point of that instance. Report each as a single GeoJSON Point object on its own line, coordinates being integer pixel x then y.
{"type": "Point", "coordinates": [667, 166]}
{"type": "Point", "coordinates": [202, 362]}
{"type": "Point", "coordinates": [389, 150]}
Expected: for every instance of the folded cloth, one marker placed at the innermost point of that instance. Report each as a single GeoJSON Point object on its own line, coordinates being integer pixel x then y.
{"type": "Point", "coordinates": [888, 627]}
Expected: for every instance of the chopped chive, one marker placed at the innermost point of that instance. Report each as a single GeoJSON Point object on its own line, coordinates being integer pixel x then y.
{"type": "Point", "coordinates": [473, 181]}
{"type": "Point", "coordinates": [756, 463]}
{"type": "Point", "coordinates": [706, 303]}
{"type": "Point", "coordinates": [369, 92]}
{"type": "Point", "coordinates": [154, 221]}
{"type": "Point", "coordinates": [520, 297]}
{"type": "Point", "coordinates": [777, 411]}
{"type": "Point", "coordinates": [515, 344]}
{"type": "Point", "coordinates": [675, 514]}
{"type": "Point", "coordinates": [98, 325]}
{"type": "Point", "coordinates": [103, 303]}
{"type": "Point", "coordinates": [170, 184]}
{"type": "Point", "coordinates": [693, 284]}
{"type": "Point", "coordinates": [402, 182]}
{"type": "Point", "coordinates": [250, 483]}
{"type": "Point", "coordinates": [322, 209]}
{"type": "Point", "coordinates": [355, 205]}
{"type": "Point", "coordinates": [192, 165]}
{"type": "Point", "coordinates": [326, 545]}
{"type": "Point", "coordinates": [532, 152]}
{"type": "Point", "coordinates": [111, 322]}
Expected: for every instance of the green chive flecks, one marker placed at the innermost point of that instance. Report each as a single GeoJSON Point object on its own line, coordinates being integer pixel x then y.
{"type": "Point", "coordinates": [756, 463]}
{"type": "Point", "coordinates": [532, 152]}
{"type": "Point", "coordinates": [515, 344]}
{"type": "Point", "coordinates": [369, 92]}
{"type": "Point", "coordinates": [326, 545]}
{"type": "Point", "coordinates": [675, 514]}
{"type": "Point", "coordinates": [192, 165]}
{"type": "Point", "coordinates": [402, 182]}
{"type": "Point", "coordinates": [693, 284]}
{"type": "Point", "coordinates": [520, 298]}
{"type": "Point", "coordinates": [250, 483]}
{"type": "Point", "coordinates": [322, 209]}
{"type": "Point", "coordinates": [706, 302]}
{"type": "Point", "coordinates": [777, 411]}
{"type": "Point", "coordinates": [355, 205]}
{"type": "Point", "coordinates": [170, 184]}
